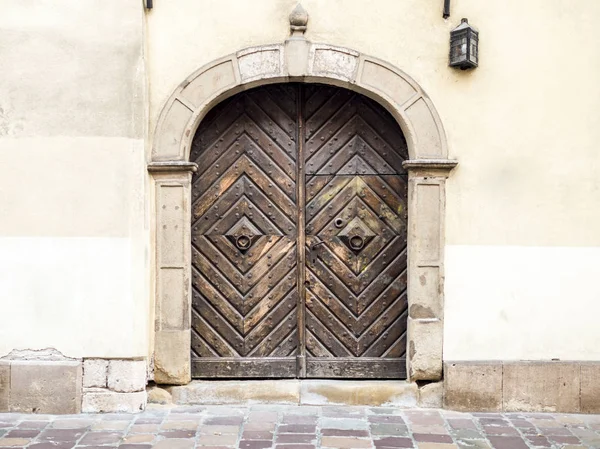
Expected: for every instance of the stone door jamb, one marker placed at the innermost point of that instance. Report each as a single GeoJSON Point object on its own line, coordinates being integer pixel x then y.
{"type": "Point", "coordinates": [298, 61]}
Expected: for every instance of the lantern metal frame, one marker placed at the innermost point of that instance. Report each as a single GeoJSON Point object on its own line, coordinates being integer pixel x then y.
{"type": "Point", "coordinates": [464, 46]}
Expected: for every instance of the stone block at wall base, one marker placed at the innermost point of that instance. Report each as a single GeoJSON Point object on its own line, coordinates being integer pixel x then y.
{"type": "Point", "coordinates": [126, 376]}
{"type": "Point", "coordinates": [523, 386]}
{"type": "Point", "coordinates": [473, 386]}
{"type": "Point", "coordinates": [431, 395]}
{"type": "Point", "coordinates": [590, 387]}
{"type": "Point", "coordinates": [4, 386]}
{"type": "Point", "coordinates": [95, 373]}
{"type": "Point", "coordinates": [541, 387]}
{"type": "Point", "coordinates": [49, 387]}
{"type": "Point", "coordinates": [98, 400]}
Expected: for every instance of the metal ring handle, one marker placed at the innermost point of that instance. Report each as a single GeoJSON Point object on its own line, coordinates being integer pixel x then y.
{"type": "Point", "coordinates": [243, 242]}
{"type": "Point", "coordinates": [357, 242]}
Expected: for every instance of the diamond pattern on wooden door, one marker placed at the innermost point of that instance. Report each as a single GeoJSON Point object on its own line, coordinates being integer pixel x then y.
{"type": "Point", "coordinates": [356, 224]}
{"type": "Point", "coordinates": [288, 165]}
{"type": "Point", "coordinates": [244, 215]}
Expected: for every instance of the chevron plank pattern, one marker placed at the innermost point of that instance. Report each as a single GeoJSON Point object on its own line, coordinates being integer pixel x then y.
{"type": "Point", "coordinates": [356, 192]}
{"type": "Point", "coordinates": [245, 231]}
{"type": "Point", "coordinates": [244, 218]}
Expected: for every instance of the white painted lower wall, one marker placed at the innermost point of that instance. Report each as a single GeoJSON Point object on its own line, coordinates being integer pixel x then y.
{"type": "Point", "coordinates": [522, 303]}
{"type": "Point", "coordinates": [76, 295]}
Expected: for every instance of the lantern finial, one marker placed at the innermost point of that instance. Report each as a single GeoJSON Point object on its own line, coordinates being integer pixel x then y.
{"type": "Point", "coordinates": [298, 20]}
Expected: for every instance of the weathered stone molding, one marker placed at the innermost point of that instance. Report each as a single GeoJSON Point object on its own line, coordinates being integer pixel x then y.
{"type": "Point", "coordinates": [299, 60]}
{"type": "Point", "coordinates": [172, 166]}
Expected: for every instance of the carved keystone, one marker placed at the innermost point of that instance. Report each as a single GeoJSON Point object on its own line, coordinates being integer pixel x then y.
{"type": "Point", "coordinates": [296, 46]}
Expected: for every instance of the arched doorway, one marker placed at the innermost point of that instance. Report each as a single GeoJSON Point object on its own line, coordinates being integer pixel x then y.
{"type": "Point", "coordinates": [171, 173]}
{"type": "Point", "coordinates": [299, 237]}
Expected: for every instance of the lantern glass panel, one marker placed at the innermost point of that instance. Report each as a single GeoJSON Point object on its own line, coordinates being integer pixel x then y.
{"type": "Point", "coordinates": [473, 52]}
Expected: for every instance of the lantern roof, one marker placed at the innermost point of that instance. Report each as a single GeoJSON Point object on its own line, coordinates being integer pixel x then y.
{"type": "Point", "coordinates": [464, 25]}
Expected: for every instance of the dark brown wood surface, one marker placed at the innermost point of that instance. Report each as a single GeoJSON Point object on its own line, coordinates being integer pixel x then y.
{"type": "Point", "coordinates": [356, 225]}
{"type": "Point", "coordinates": [283, 167]}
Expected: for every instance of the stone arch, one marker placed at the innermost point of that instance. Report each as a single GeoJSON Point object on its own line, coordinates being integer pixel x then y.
{"type": "Point", "coordinates": [300, 61]}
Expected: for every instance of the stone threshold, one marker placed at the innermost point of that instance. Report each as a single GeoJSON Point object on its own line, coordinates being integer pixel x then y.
{"type": "Point", "coordinates": [393, 393]}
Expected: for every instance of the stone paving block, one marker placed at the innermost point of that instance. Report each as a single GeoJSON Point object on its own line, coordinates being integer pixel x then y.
{"type": "Point", "coordinates": [334, 423]}
{"type": "Point", "coordinates": [393, 442]}
{"type": "Point", "coordinates": [345, 433]}
{"type": "Point", "coordinates": [255, 444]}
{"type": "Point", "coordinates": [52, 445]}
{"type": "Point", "coordinates": [174, 444]}
{"type": "Point", "coordinates": [178, 434]}
{"type": "Point", "coordinates": [473, 444]}
{"type": "Point", "coordinates": [299, 419]}
{"type": "Point", "coordinates": [295, 428]}
{"type": "Point", "coordinates": [111, 425]}
{"type": "Point", "coordinates": [144, 428]}
{"type": "Point", "coordinates": [435, 429]}
{"type": "Point", "coordinates": [257, 435]}
{"type": "Point", "coordinates": [188, 425]}
{"type": "Point", "coordinates": [33, 425]}
{"type": "Point", "coordinates": [77, 423]}
{"type": "Point", "coordinates": [8, 442]}
{"type": "Point", "coordinates": [139, 438]}
{"type": "Point", "coordinates": [224, 420]}
{"type": "Point", "coordinates": [223, 430]}
{"type": "Point", "coordinates": [508, 443]}
{"type": "Point", "coordinates": [23, 433]}
{"type": "Point", "coordinates": [45, 387]}
{"type": "Point", "coordinates": [291, 438]}
{"type": "Point", "coordinates": [100, 438]}
{"type": "Point", "coordinates": [437, 446]}
{"type": "Point", "coordinates": [58, 435]}
{"type": "Point", "coordinates": [217, 440]}
{"type": "Point", "coordinates": [295, 446]}
{"type": "Point", "coordinates": [432, 438]}
{"type": "Point", "coordinates": [345, 442]}
{"type": "Point", "coordinates": [388, 429]}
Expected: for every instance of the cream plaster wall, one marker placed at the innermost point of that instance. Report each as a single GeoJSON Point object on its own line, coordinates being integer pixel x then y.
{"type": "Point", "coordinates": [519, 303]}
{"type": "Point", "coordinates": [524, 199]}
{"type": "Point", "coordinates": [522, 206]}
{"type": "Point", "coordinates": [73, 232]}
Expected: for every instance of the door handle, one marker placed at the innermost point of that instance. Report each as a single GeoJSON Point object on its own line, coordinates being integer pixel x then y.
{"type": "Point", "coordinates": [313, 252]}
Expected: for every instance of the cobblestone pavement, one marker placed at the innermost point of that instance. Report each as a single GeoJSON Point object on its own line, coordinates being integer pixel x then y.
{"type": "Point", "coordinates": [300, 427]}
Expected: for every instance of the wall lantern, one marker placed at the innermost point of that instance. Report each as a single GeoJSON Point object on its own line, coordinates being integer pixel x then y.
{"type": "Point", "coordinates": [464, 46]}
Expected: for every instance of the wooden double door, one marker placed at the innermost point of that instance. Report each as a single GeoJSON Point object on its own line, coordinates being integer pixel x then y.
{"type": "Point", "coordinates": [299, 231]}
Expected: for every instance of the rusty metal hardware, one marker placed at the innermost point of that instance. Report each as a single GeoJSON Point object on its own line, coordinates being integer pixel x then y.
{"type": "Point", "coordinates": [313, 252]}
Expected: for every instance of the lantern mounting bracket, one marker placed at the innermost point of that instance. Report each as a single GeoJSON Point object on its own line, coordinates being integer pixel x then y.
{"type": "Point", "coordinates": [446, 9]}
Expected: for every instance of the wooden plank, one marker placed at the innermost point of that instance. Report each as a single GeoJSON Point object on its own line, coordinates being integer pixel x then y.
{"type": "Point", "coordinates": [244, 368]}
{"type": "Point", "coordinates": [356, 368]}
